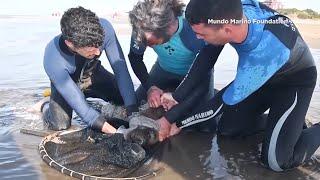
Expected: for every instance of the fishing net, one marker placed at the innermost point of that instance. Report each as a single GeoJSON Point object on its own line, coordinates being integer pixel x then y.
{"type": "Point", "coordinates": [88, 154]}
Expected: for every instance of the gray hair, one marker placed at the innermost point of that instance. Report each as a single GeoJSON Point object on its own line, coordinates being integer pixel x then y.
{"type": "Point", "coordinates": [154, 16]}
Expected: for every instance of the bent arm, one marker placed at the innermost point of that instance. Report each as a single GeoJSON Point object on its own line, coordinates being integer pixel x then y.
{"type": "Point", "coordinates": [200, 68]}
{"type": "Point", "coordinates": [64, 84]}
{"type": "Point", "coordinates": [119, 66]}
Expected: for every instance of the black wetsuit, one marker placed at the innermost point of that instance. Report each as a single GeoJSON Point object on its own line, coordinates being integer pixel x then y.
{"type": "Point", "coordinates": [276, 72]}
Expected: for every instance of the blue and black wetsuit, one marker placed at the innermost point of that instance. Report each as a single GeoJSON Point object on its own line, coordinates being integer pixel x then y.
{"type": "Point", "coordinates": [276, 72]}
{"type": "Point", "coordinates": [73, 78]}
{"type": "Point", "coordinates": [175, 58]}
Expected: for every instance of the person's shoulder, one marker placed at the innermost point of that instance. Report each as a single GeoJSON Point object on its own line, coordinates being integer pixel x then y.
{"type": "Point", "coordinates": [256, 8]}
{"type": "Point", "coordinates": [51, 44]}
{"type": "Point", "coordinates": [187, 29]}
{"type": "Point", "coordinates": [104, 21]}
{"type": "Point", "coordinates": [52, 53]}
{"type": "Point", "coordinates": [51, 48]}
{"type": "Point", "coordinates": [106, 24]}
{"type": "Point", "coordinates": [189, 38]}
{"type": "Point", "coordinates": [251, 6]}
{"type": "Point", "coordinates": [250, 2]}
{"type": "Point", "coordinates": [108, 30]}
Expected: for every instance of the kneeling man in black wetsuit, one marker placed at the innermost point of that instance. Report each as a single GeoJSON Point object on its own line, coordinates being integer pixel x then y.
{"type": "Point", "coordinates": [71, 62]}
{"type": "Point", "coordinates": [276, 72]}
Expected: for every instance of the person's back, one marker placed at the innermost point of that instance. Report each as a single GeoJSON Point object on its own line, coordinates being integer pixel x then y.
{"type": "Point", "coordinates": [275, 41]}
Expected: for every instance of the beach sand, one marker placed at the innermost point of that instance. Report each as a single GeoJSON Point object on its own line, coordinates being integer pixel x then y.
{"type": "Point", "coordinates": [310, 33]}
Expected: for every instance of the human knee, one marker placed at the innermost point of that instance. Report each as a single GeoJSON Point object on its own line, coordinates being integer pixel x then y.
{"type": "Point", "coordinates": [279, 161]}
{"type": "Point", "coordinates": [55, 119]}
{"type": "Point", "coordinates": [229, 129]}
{"type": "Point", "coordinates": [230, 132]}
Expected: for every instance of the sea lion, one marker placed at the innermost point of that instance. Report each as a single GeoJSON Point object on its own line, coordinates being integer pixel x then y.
{"type": "Point", "coordinates": [90, 153]}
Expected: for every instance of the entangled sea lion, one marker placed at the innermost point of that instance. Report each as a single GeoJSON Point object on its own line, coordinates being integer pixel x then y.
{"type": "Point", "coordinates": [88, 153]}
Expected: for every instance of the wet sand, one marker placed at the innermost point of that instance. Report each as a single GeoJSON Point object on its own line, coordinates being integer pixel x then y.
{"type": "Point", "coordinates": [190, 155]}
{"type": "Point", "coordinates": [310, 33]}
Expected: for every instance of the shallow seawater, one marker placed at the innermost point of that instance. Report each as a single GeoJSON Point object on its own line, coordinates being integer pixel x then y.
{"type": "Point", "coordinates": [187, 156]}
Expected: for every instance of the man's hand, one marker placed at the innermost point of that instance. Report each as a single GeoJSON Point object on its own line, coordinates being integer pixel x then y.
{"type": "Point", "coordinates": [108, 129]}
{"type": "Point", "coordinates": [168, 101]}
{"type": "Point", "coordinates": [154, 95]}
{"type": "Point", "coordinates": [174, 129]}
{"type": "Point", "coordinates": [165, 127]}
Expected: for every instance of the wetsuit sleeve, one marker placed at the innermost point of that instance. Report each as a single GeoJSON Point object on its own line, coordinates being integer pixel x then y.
{"type": "Point", "coordinates": [61, 79]}
{"type": "Point", "coordinates": [119, 66]}
{"type": "Point", "coordinates": [136, 60]}
{"type": "Point", "coordinates": [200, 68]}
{"type": "Point", "coordinates": [189, 38]}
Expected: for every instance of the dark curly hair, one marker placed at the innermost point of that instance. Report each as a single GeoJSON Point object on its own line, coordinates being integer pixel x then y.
{"type": "Point", "coordinates": [82, 27]}
{"type": "Point", "coordinates": [200, 11]}
{"type": "Point", "coordinates": [154, 16]}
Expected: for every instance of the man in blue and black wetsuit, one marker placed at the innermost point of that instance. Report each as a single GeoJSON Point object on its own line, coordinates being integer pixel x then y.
{"type": "Point", "coordinates": [276, 72]}
{"type": "Point", "coordinates": [71, 62]}
{"type": "Point", "coordinates": [161, 25]}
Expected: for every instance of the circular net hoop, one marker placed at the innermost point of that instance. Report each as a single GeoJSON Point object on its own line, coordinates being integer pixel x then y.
{"type": "Point", "coordinates": [72, 153]}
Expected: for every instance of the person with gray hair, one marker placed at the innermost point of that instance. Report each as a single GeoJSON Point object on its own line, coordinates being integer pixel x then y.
{"type": "Point", "coordinates": [160, 24]}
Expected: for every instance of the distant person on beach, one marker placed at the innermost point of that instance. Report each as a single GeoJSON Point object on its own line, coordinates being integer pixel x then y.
{"type": "Point", "coordinates": [71, 62]}
{"type": "Point", "coordinates": [276, 72]}
{"type": "Point", "coordinates": [160, 24]}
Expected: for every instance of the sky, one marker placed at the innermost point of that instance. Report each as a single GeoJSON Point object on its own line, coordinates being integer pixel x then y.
{"type": "Point", "coordinates": [47, 7]}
